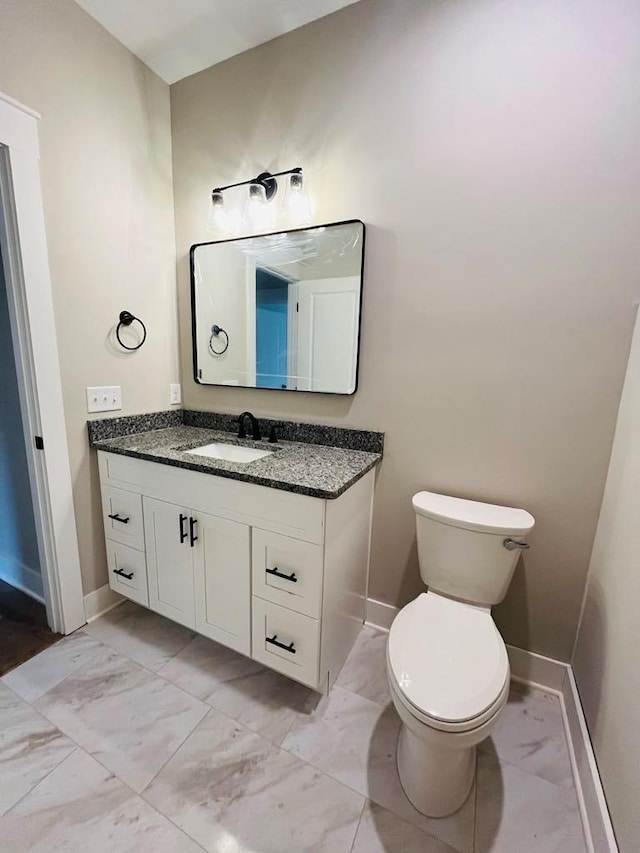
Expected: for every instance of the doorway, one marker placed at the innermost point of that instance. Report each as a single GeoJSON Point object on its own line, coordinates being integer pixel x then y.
{"type": "Point", "coordinates": [51, 579]}
{"type": "Point", "coordinates": [23, 616]}
{"type": "Point", "coordinates": [272, 309]}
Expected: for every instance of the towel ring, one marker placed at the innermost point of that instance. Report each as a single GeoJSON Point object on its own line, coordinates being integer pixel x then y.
{"type": "Point", "coordinates": [215, 331]}
{"type": "Point", "coordinates": [126, 319]}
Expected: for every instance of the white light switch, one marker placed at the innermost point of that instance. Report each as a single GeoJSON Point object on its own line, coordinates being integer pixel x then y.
{"type": "Point", "coordinates": [175, 394]}
{"type": "Point", "coordinates": [105, 398]}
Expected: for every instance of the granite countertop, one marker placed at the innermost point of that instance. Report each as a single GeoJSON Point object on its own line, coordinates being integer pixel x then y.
{"type": "Point", "coordinates": [320, 471]}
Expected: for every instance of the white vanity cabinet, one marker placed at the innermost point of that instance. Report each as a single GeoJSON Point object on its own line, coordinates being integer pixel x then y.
{"type": "Point", "coordinates": [198, 571]}
{"type": "Point", "coordinates": [277, 576]}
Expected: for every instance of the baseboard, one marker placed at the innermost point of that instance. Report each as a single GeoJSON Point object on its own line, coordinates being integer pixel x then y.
{"type": "Point", "coordinates": [379, 614]}
{"type": "Point", "coordinates": [25, 579]}
{"type": "Point", "coordinates": [537, 670]}
{"type": "Point", "coordinates": [100, 601]}
{"type": "Point", "coordinates": [556, 677]}
{"type": "Point", "coordinates": [593, 805]}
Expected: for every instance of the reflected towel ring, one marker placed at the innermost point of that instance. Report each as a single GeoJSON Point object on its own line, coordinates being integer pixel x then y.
{"type": "Point", "coordinates": [215, 331]}
{"type": "Point", "coordinates": [126, 319]}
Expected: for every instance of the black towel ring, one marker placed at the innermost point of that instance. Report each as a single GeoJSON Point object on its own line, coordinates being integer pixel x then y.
{"type": "Point", "coordinates": [215, 331]}
{"type": "Point", "coordinates": [126, 319]}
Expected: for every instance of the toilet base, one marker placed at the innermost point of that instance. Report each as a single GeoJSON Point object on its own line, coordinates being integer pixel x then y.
{"type": "Point", "coordinates": [437, 781]}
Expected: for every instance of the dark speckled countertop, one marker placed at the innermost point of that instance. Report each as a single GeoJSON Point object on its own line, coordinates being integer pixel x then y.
{"type": "Point", "coordinates": [320, 471]}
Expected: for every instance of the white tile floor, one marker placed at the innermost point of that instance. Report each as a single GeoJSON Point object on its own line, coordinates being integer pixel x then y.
{"type": "Point", "coordinates": [135, 735]}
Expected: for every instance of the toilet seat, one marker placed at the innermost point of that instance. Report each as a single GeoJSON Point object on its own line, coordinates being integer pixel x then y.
{"type": "Point", "coordinates": [447, 662]}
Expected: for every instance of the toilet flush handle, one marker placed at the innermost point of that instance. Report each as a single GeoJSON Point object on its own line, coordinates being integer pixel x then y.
{"type": "Point", "coordinates": [511, 545]}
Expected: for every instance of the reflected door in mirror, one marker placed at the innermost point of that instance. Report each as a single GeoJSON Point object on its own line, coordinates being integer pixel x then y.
{"type": "Point", "coordinates": [287, 308]}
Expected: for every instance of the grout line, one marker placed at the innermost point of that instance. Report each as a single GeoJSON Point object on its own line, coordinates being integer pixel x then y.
{"type": "Point", "coordinates": [355, 834]}
{"type": "Point", "coordinates": [139, 795]}
{"type": "Point", "coordinates": [497, 759]}
{"type": "Point", "coordinates": [86, 751]}
{"type": "Point", "coordinates": [46, 775]}
{"type": "Point", "coordinates": [32, 702]}
{"type": "Point", "coordinates": [176, 750]}
{"type": "Point", "coordinates": [362, 696]}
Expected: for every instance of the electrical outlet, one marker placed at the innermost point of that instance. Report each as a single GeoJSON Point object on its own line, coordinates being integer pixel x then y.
{"type": "Point", "coordinates": [104, 398]}
{"type": "Point", "coordinates": [175, 394]}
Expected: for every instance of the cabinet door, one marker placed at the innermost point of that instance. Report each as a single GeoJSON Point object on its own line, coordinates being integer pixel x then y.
{"type": "Point", "coordinates": [222, 563]}
{"type": "Point", "coordinates": [169, 560]}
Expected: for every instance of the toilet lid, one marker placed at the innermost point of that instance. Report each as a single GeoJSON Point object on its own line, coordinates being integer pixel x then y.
{"type": "Point", "coordinates": [447, 657]}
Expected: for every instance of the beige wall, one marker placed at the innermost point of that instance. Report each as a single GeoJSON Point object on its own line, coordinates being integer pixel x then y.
{"type": "Point", "coordinates": [492, 149]}
{"type": "Point", "coordinates": [106, 180]}
{"type": "Point", "coordinates": [606, 655]}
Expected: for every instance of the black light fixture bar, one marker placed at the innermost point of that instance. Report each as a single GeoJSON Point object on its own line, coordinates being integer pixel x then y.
{"type": "Point", "coordinates": [264, 178]}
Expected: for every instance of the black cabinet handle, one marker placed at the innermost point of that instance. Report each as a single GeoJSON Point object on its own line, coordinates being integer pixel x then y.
{"type": "Point", "coordinates": [277, 573]}
{"type": "Point", "coordinates": [183, 532]}
{"type": "Point", "coordinates": [274, 642]}
{"type": "Point", "coordinates": [123, 574]}
{"type": "Point", "coordinates": [116, 517]}
{"type": "Point", "coordinates": [192, 524]}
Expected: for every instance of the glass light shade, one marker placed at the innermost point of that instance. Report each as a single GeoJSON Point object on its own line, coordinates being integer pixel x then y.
{"type": "Point", "coordinates": [298, 204]}
{"type": "Point", "coordinates": [221, 220]}
{"type": "Point", "coordinates": [259, 210]}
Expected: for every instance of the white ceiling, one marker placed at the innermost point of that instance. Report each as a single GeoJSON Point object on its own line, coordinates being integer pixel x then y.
{"type": "Point", "coordinates": [176, 38]}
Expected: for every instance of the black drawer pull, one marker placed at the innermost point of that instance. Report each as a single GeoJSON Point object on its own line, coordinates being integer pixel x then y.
{"type": "Point", "coordinates": [275, 571]}
{"type": "Point", "coordinates": [123, 574]}
{"type": "Point", "coordinates": [116, 517]}
{"type": "Point", "coordinates": [274, 642]}
{"type": "Point", "coordinates": [183, 532]}
{"type": "Point", "coordinates": [192, 526]}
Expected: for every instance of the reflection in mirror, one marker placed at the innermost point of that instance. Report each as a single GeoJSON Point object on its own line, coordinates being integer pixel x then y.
{"type": "Point", "coordinates": [279, 310]}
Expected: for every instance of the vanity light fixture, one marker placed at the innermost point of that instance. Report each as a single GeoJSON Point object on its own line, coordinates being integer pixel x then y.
{"type": "Point", "coordinates": [266, 180]}
{"type": "Point", "coordinates": [262, 190]}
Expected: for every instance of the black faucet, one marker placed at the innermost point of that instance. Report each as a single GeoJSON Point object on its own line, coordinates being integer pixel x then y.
{"type": "Point", "coordinates": [255, 427]}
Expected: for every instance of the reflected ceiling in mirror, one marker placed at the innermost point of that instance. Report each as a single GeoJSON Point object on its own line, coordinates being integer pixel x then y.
{"type": "Point", "coordinates": [279, 311]}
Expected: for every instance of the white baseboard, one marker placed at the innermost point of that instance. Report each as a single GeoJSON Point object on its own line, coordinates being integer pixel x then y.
{"type": "Point", "coordinates": [593, 805]}
{"type": "Point", "coordinates": [25, 579]}
{"type": "Point", "coordinates": [100, 601]}
{"type": "Point", "coordinates": [379, 614]}
{"type": "Point", "coordinates": [556, 677]}
{"type": "Point", "coordinates": [537, 670]}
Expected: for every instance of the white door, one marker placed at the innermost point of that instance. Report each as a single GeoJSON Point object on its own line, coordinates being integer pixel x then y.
{"type": "Point", "coordinates": [327, 335]}
{"type": "Point", "coordinates": [222, 581]}
{"type": "Point", "coordinates": [170, 533]}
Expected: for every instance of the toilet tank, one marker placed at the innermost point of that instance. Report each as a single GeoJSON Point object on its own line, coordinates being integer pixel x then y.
{"type": "Point", "coordinates": [461, 546]}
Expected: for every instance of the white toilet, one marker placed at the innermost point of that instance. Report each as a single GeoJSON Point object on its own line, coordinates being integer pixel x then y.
{"type": "Point", "coordinates": [446, 661]}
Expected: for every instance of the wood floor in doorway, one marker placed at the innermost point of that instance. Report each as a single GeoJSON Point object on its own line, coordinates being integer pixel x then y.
{"type": "Point", "coordinates": [23, 628]}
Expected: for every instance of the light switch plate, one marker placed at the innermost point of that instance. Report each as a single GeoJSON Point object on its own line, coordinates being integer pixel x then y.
{"type": "Point", "coordinates": [104, 398]}
{"type": "Point", "coordinates": [175, 394]}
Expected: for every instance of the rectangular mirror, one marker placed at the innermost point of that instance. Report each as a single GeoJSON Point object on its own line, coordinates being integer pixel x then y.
{"type": "Point", "coordinates": [279, 310]}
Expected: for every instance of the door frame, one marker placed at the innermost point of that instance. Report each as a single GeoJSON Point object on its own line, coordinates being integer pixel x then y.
{"type": "Point", "coordinates": [28, 282]}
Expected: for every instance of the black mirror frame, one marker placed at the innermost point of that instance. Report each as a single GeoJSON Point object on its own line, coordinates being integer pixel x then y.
{"type": "Point", "coordinates": [273, 234]}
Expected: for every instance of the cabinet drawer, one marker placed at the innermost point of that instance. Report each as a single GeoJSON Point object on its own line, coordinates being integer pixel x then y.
{"type": "Point", "coordinates": [117, 470]}
{"type": "Point", "coordinates": [127, 572]}
{"type": "Point", "coordinates": [122, 513]}
{"type": "Point", "coordinates": [287, 572]}
{"type": "Point", "coordinates": [298, 634]}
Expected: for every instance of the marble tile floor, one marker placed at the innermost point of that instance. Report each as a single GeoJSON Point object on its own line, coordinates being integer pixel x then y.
{"type": "Point", "coordinates": [133, 734]}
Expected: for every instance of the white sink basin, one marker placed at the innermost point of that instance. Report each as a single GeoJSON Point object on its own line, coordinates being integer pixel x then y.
{"type": "Point", "coordinates": [230, 452]}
